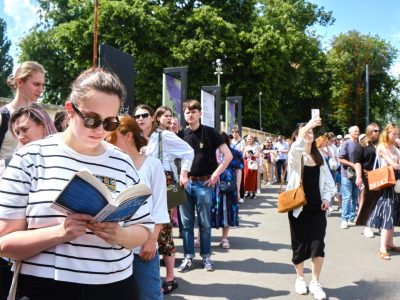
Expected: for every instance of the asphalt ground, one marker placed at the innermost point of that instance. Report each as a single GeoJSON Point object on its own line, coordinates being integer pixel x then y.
{"type": "Point", "coordinates": [258, 264]}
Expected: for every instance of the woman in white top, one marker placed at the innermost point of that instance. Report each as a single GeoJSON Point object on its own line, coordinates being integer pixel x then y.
{"type": "Point", "coordinates": [155, 127]}
{"type": "Point", "coordinates": [72, 256]}
{"type": "Point", "coordinates": [308, 223]}
{"type": "Point", "coordinates": [146, 265]}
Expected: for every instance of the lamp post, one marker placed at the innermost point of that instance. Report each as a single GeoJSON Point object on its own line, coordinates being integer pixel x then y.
{"type": "Point", "coordinates": [218, 70]}
{"type": "Point", "coordinates": [259, 107]}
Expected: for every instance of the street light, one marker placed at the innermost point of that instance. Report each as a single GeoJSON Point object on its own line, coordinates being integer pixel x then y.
{"type": "Point", "coordinates": [218, 70]}
{"type": "Point", "coordinates": [259, 107]}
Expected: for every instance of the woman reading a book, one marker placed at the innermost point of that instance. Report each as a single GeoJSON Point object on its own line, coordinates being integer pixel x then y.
{"type": "Point", "coordinates": [70, 256]}
{"type": "Point", "coordinates": [166, 146]}
{"type": "Point", "coordinates": [146, 263]}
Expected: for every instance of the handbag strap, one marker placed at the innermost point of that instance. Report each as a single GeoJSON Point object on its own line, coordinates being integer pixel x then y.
{"type": "Point", "coordinates": [284, 174]}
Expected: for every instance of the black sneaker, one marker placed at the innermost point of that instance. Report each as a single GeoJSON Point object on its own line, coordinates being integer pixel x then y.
{"type": "Point", "coordinates": [186, 265]}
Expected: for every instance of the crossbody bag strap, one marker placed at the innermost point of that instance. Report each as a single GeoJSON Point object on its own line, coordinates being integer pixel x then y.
{"type": "Point", "coordinates": [160, 156]}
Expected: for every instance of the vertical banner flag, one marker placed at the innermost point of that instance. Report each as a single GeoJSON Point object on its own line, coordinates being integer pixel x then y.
{"type": "Point", "coordinates": [171, 96]}
{"type": "Point", "coordinates": [208, 109]}
{"type": "Point", "coordinates": [229, 115]}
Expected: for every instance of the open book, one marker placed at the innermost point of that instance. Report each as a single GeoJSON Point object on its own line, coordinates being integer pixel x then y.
{"type": "Point", "coordinates": [86, 194]}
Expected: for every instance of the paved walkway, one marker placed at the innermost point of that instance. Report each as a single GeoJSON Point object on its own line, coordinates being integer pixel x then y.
{"type": "Point", "coordinates": [258, 265]}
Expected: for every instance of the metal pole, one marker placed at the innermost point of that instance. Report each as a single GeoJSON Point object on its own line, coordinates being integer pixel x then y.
{"type": "Point", "coordinates": [95, 34]}
{"type": "Point", "coordinates": [259, 107]}
{"type": "Point", "coordinates": [218, 71]}
{"type": "Point", "coordinates": [366, 96]}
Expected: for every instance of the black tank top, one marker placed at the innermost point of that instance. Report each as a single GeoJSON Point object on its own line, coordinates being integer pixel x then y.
{"type": "Point", "coordinates": [311, 188]}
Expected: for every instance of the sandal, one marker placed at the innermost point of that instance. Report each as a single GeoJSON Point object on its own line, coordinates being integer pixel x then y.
{"type": "Point", "coordinates": [384, 255]}
{"type": "Point", "coordinates": [224, 244]}
{"type": "Point", "coordinates": [169, 286]}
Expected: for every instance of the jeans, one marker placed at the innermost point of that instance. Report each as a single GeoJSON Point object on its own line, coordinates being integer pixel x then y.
{"type": "Point", "coordinates": [199, 197]}
{"type": "Point", "coordinates": [147, 277]}
{"type": "Point", "coordinates": [349, 199]}
{"type": "Point", "coordinates": [280, 166]}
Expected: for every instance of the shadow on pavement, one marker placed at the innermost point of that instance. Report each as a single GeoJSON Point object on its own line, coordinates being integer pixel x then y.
{"type": "Point", "coordinates": [365, 290]}
{"type": "Point", "coordinates": [227, 291]}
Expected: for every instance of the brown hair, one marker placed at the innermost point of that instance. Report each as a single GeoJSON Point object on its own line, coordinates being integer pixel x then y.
{"type": "Point", "coordinates": [384, 137]}
{"type": "Point", "coordinates": [128, 124]}
{"type": "Point", "coordinates": [160, 111]}
{"type": "Point", "coordinates": [191, 104]}
{"type": "Point", "coordinates": [368, 132]}
{"type": "Point", "coordinates": [314, 152]}
{"type": "Point", "coordinates": [151, 112]}
{"type": "Point", "coordinates": [96, 79]}
{"type": "Point", "coordinates": [35, 113]}
{"type": "Point", "coordinates": [321, 140]}
{"type": "Point", "coordinates": [24, 71]}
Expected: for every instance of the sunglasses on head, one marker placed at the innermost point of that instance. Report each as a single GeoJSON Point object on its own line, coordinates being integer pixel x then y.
{"type": "Point", "coordinates": [109, 124]}
{"type": "Point", "coordinates": [144, 116]}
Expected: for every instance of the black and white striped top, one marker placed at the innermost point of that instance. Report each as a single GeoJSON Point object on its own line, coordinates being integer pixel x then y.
{"type": "Point", "coordinates": [36, 174]}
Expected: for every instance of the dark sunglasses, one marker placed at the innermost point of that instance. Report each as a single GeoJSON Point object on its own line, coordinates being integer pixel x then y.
{"type": "Point", "coordinates": [109, 124]}
{"type": "Point", "coordinates": [144, 116]}
{"type": "Point", "coordinates": [377, 130]}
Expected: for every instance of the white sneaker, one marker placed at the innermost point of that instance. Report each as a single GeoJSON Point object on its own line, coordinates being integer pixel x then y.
{"type": "Point", "coordinates": [241, 200]}
{"type": "Point", "coordinates": [300, 286]}
{"type": "Point", "coordinates": [351, 222]}
{"type": "Point", "coordinates": [316, 289]}
{"type": "Point", "coordinates": [368, 232]}
{"type": "Point", "coordinates": [344, 225]}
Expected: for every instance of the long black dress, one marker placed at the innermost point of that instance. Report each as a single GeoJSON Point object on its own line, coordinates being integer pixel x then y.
{"type": "Point", "coordinates": [307, 231]}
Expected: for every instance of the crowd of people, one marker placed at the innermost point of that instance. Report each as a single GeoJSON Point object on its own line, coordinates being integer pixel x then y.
{"type": "Point", "coordinates": [60, 256]}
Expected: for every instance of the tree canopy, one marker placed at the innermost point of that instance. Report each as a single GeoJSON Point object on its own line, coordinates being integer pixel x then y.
{"type": "Point", "coordinates": [6, 61]}
{"type": "Point", "coordinates": [266, 46]}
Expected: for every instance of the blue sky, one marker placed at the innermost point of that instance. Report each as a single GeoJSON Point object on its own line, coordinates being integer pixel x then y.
{"type": "Point", "coordinates": [375, 17]}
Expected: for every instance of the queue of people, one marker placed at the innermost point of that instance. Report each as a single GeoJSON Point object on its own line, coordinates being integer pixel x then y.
{"type": "Point", "coordinates": [60, 256]}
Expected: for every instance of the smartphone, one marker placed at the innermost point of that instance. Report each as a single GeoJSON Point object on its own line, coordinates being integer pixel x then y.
{"type": "Point", "coordinates": [314, 113]}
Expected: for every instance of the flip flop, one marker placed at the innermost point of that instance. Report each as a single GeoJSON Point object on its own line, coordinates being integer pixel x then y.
{"type": "Point", "coordinates": [384, 255]}
{"type": "Point", "coordinates": [169, 286]}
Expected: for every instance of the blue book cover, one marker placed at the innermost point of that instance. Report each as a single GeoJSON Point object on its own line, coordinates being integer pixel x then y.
{"type": "Point", "coordinates": [85, 194]}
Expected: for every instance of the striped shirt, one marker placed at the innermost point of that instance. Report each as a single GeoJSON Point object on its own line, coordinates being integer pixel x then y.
{"type": "Point", "coordinates": [33, 179]}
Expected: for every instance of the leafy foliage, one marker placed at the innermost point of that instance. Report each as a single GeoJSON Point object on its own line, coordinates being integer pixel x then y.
{"type": "Point", "coordinates": [347, 61]}
{"type": "Point", "coordinates": [6, 61]}
{"type": "Point", "coordinates": [265, 46]}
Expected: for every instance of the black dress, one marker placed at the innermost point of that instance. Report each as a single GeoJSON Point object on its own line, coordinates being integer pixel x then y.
{"type": "Point", "coordinates": [307, 231]}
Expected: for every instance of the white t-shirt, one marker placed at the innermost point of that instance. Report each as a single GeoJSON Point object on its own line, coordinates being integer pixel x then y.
{"type": "Point", "coordinates": [35, 176]}
{"type": "Point", "coordinates": [151, 173]}
{"type": "Point", "coordinates": [10, 143]}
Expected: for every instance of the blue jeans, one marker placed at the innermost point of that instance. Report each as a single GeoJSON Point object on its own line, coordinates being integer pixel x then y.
{"type": "Point", "coordinates": [349, 199]}
{"type": "Point", "coordinates": [147, 277]}
{"type": "Point", "coordinates": [199, 197]}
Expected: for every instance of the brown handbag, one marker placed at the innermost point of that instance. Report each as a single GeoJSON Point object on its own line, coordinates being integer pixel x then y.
{"type": "Point", "coordinates": [293, 198]}
{"type": "Point", "coordinates": [381, 178]}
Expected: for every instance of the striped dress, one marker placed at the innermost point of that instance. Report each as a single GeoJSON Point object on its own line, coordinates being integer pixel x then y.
{"type": "Point", "coordinates": [33, 179]}
{"type": "Point", "coordinates": [386, 213]}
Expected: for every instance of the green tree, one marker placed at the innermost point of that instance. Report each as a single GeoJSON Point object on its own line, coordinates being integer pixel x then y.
{"type": "Point", "coordinates": [6, 61]}
{"type": "Point", "coordinates": [264, 45]}
{"type": "Point", "coordinates": [347, 60]}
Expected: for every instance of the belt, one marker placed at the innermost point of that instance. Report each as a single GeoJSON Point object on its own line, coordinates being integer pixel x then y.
{"type": "Point", "coordinates": [199, 178]}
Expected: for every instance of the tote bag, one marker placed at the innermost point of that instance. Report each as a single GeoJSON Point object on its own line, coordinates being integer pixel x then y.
{"type": "Point", "coordinates": [381, 178]}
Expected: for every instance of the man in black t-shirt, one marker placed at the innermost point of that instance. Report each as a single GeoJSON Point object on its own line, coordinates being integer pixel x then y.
{"type": "Point", "coordinates": [203, 176]}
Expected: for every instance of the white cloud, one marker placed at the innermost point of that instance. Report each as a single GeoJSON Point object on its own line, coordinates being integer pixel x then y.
{"type": "Point", "coordinates": [23, 15]}
{"type": "Point", "coordinates": [395, 69]}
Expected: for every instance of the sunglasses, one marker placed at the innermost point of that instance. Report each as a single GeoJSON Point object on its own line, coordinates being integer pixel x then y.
{"type": "Point", "coordinates": [109, 124]}
{"type": "Point", "coordinates": [144, 116]}
{"type": "Point", "coordinates": [377, 130]}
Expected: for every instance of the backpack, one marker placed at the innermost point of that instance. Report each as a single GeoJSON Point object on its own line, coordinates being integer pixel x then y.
{"type": "Point", "coordinates": [5, 118]}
